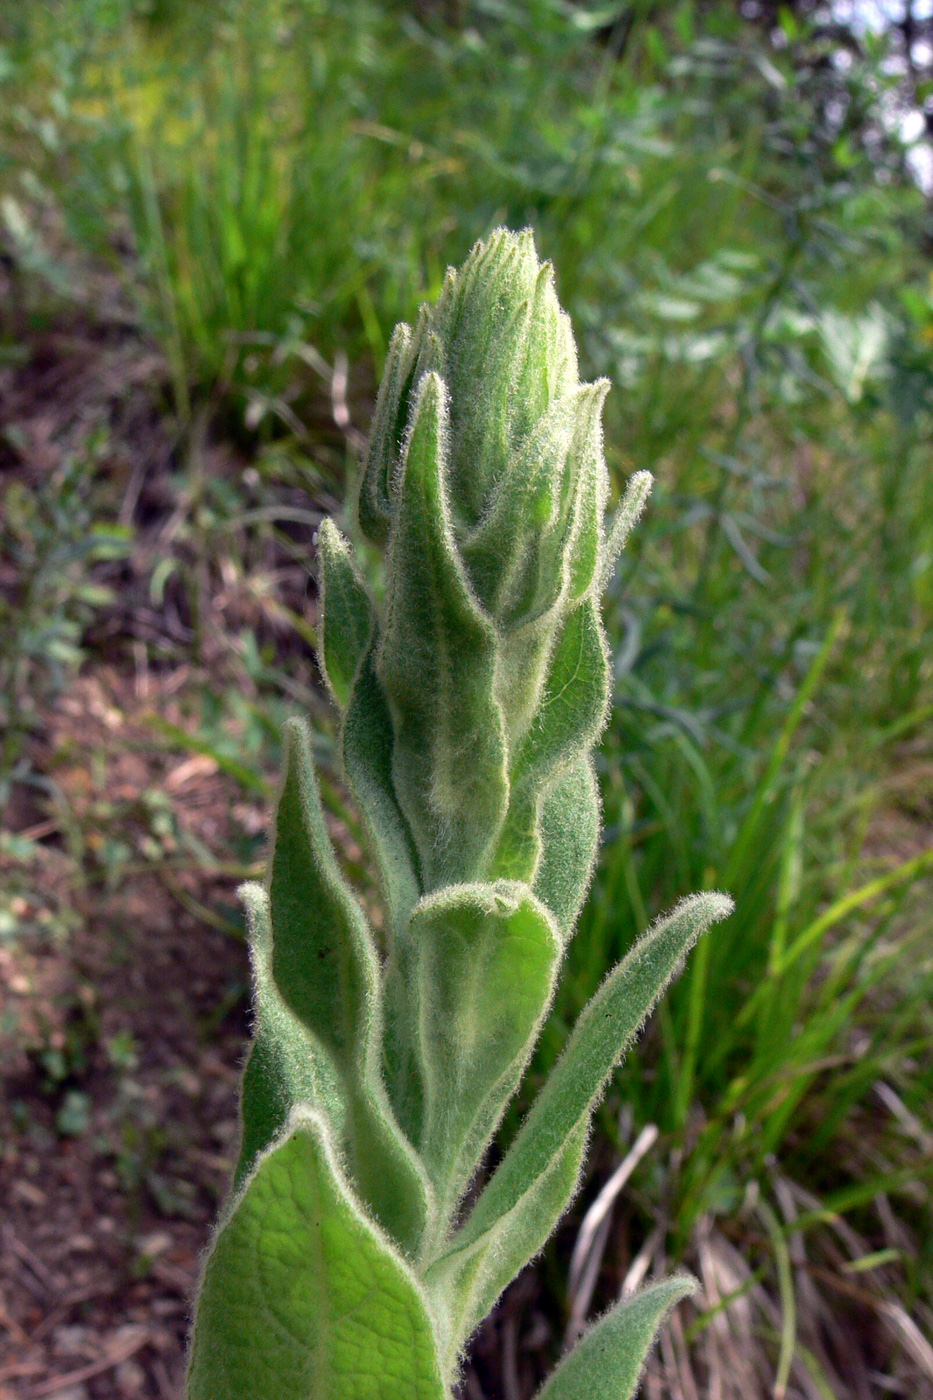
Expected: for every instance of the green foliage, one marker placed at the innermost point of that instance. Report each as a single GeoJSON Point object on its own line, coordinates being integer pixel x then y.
{"type": "Point", "coordinates": [470, 702]}
{"type": "Point", "coordinates": [53, 540]}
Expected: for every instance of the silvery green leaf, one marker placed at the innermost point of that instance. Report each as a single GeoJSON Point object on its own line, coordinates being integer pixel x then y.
{"type": "Point", "coordinates": [482, 975]}
{"type": "Point", "coordinates": [366, 748]}
{"type": "Point", "coordinates": [584, 550]}
{"type": "Point", "coordinates": [374, 503]}
{"type": "Point", "coordinates": [302, 1297]}
{"type": "Point", "coordinates": [323, 958]}
{"type": "Point", "coordinates": [386, 1170]}
{"type": "Point", "coordinates": [402, 1074]}
{"type": "Point", "coordinates": [287, 1064]}
{"type": "Point", "coordinates": [467, 1279]}
{"type": "Point", "coordinates": [437, 665]}
{"type": "Point", "coordinates": [326, 971]}
{"type": "Point", "coordinates": [568, 826]}
{"type": "Point", "coordinates": [608, 1360]}
{"type": "Point", "coordinates": [346, 614]}
{"type": "Point", "coordinates": [571, 711]}
{"type": "Point", "coordinates": [548, 369]}
{"type": "Point", "coordinates": [519, 850]}
{"type": "Point", "coordinates": [605, 1027]}
{"type": "Point", "coordinates": [573, 706]}
{"type": "Point", "coordinates": [485, 325]}
{"type": "Point", "coordinates": [625, 519]}
{"type": "Point", "coordinates": [514, 556]}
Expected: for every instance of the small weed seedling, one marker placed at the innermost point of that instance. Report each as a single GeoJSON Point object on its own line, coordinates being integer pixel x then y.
{"type": "Point", "coordinates": [345, 1266]}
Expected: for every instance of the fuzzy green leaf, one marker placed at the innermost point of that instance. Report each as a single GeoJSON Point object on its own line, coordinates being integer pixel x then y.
{"type": "Point", "coordinates": [485, 322]}
{"type": "Point", "coordinates": [515, 556]}
{"type": "Point", "coordinates": [605, 1027]}
{"type": "Point", "coordinates": [302, 1297]}
{"type": "Point", "coordinates": [608, 1360]}
{"type": "Point", "coordinates": [437, 665]}
{"type": "Point", "coordinates": [346, 614]}
{"type": "Point", "coordinates": [548, 369]}
{"type": "Point", "coordinates": [287, 1064]}
{"type": "Point", "coordinates": [327, 973]}
{"type": "Point", "coordinates": [625, 519]}
{"type": "Point", "coordinates": [585, 551]}
{"type": "Point", "coordinates": [387, 1172]}
{"type": "Point", "coordinates": [467, 1279]}
{"type": "Point", "coordinates": [484, 958]}
{"type": "Point", "coordinates": [366, 743]}
{"type": "Point", "coordinates": [402, 1073]}
{"type": "Point", "coordinates": [569, 835]}
{"type": "Point", "coordinates": [519, 850]}
{"type": "Point", "coordinates": [323, 959]}
{"type": "Point", "coordinates": [572, 710]}
{"type": "Point", "coordinates": [374, 504]}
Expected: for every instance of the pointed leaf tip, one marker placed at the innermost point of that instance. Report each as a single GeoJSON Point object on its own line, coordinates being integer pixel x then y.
{"type": "Point", "coordinates": [608, 1360]}
{"type": "Point", "coordinates": [630, 511]}
{"type": "Point", "coordinates": [255, 901]}
{"type": "Point", "coordinates": [346, 614]}
{"type": "Point", "coordinates": [323, 959]}
{"type": "Point", "coordinates": [714, 904]}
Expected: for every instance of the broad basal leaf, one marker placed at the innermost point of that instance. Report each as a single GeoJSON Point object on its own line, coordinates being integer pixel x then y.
{"type": "Point", "coordinates": [303, 1298]}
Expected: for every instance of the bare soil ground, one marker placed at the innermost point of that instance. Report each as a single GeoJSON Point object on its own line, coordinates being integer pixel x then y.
{"type": "Point", "coordinates": [120, 1051]}
{"type": "Point", "coordinates": [123, 1013]}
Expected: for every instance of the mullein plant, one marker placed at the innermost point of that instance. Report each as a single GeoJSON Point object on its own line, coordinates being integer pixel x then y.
{"type": "Point", "coordinates": [471, 687]}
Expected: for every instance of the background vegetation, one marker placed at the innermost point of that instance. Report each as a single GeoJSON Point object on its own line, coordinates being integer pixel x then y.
{"type": "Point", "coordinates": [211, 216]}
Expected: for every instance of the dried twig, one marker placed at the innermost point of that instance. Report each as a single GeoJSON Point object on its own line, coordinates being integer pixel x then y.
{"type": "Point", "coordinates": [594, 1232]}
